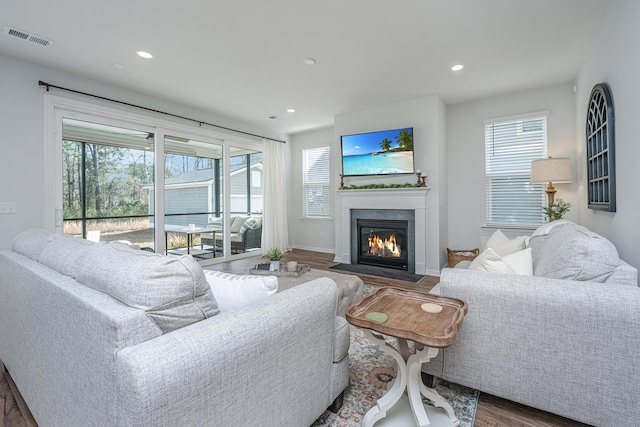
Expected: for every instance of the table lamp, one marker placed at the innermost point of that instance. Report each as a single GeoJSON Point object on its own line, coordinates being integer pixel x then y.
{"type": "Point", "coordinates": [551, 170]}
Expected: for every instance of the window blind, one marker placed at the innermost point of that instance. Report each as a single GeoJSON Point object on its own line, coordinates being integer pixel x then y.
{"type": "Point", "coordinates": [316, 182]}
{"type": "Point", "coordinates": [510, 146]}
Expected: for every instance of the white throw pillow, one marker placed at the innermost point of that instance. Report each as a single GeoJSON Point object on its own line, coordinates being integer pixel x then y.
{"type": "Point", "coordinates": [502, 245]}
{"type": "Point", "coordinates": [489, 260]}
{"type": "Point", "coordinates": [517, 263]}
{"type": "Point", "coordinates": [521, 262]}
{"type": "Point", "coordinates": [236, 291]}
{"type": "Point", "coordinates": [237, 223]}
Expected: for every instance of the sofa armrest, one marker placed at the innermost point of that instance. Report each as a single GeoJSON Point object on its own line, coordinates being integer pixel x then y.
{"type": "Point", "coordinates": [238, 368]}
{"type": "Point", "coordinates": [252, 238]}
{"type": "Point", "coordinates": [524, 333]}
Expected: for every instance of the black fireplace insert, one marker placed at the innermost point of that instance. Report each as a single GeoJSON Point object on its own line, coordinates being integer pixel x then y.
{"type": "Point", "coordinates": [383, 243]}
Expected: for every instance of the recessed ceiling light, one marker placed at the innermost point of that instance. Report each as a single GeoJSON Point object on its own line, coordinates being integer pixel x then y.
{"type": "Point", "coordinates": [143, 54]}
{"type": "Point", "coordinates": [308, 61]}
{"type": "Point", "coordinates": [291, 110]}
{"type": "Point", "coordinates": [457, 67]}
{"type": "Point", "coordinates": [117, 66]}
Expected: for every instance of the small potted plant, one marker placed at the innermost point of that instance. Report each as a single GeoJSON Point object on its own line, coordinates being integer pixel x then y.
{"type": "Point", "coordinates": [274, 255]}
{"type": "Point", "coordinates": [557, 210]}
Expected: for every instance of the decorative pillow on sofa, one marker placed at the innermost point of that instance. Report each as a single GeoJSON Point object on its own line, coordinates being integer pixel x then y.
{"type": "Point", "coordinates": [171, 289]}
{"type": "Point", "coordinates": [570, 251]}
{"type": "Point", "coordinates": [515, 263]}
{"type": "Point", "coordinates": [215, 223]}
{"type": "Point", "coordinates": [237, 223]}
{"type": "Point", "coordinates": [502, 245]}
{"type": "Point", "coordinates": [235, 291]}
{"type": "Point", "coordinates": [249, 224]}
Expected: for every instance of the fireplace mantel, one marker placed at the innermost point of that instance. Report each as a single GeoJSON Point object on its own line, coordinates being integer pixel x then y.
{"type": "Point", "coordinates": [382, 198]}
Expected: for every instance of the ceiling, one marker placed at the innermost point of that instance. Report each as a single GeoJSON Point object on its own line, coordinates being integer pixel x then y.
{"type": "Point", "coordinates": [243, 59]}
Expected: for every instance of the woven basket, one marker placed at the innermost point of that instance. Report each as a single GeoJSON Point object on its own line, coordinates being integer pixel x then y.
{"type": "Point", "coordinates": [455, 256]}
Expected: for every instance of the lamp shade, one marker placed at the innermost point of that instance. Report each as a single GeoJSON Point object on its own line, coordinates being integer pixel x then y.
{"type": "Point", "coordinates": [553, 169]}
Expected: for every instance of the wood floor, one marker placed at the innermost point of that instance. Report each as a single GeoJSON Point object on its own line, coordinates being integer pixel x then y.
{"type": "Point", "coordinates": [492, 411]}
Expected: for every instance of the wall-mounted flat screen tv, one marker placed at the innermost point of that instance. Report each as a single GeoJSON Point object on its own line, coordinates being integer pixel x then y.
{"type": "Point", "coordinates": [386, 152]}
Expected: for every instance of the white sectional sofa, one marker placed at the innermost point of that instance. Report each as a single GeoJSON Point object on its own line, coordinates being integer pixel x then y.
{"type": "Point", "coordinates": [97, 334]}
{"type": "Point", "coordinates": [563, 340]}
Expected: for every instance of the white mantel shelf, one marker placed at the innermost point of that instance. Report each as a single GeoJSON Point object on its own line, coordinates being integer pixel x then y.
{"type": "Point", "coordinates": [382, 198]}
{"type": "Point", "coordinates": [409, 190]}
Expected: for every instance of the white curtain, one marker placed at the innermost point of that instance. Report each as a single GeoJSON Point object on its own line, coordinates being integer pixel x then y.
{"type": "Point", "coordinates": [275, 226]}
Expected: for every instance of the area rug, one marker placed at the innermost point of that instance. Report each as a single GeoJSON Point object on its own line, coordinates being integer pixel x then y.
{"type": "Point", "coordinates": [371, 372]}
{"type": "Point", "coordinates": [388, 273]}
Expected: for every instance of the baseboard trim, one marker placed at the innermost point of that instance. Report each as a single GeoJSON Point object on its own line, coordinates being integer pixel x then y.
{"type": "Point", "coordinates": [310, 248]}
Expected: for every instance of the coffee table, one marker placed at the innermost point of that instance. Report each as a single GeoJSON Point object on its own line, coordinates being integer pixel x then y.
{"type": "Point", "coordinates": [406, 320]}
{"type": "Point", "coordinates": [189, 232]}
{"type": "Point", "coordinates": [350, 286]}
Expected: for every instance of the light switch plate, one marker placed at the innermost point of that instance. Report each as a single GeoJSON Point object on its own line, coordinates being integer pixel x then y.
{"type": "Point", "coordinates": [7, 207]}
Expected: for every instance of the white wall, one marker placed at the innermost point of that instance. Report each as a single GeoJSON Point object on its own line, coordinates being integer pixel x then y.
{"type": "Point", "coordinates": [465, 138]}
{"type": "Point", "coordinates": [427, 117]}
{"type": "Point", "coordinates": [22, 123]}
{"type": "Point", "coordinates": [616, 61]}
{"type": "Point", "coordinates": [306, 233]}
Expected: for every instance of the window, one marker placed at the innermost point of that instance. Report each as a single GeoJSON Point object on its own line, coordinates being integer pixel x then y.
{"type": "Point", "coordinates": [315, 182]}
{"type": "Point", "coordinates": [510, 146]}
{"type": "Point", "coordinates": [111, 176]}
{"type": "Point", "coordinates": [601, 157]}
{"type": "Point", "coordinates": [106, 175]}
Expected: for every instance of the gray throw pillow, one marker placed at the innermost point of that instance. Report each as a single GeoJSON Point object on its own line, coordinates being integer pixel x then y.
{"type": "Point", "coordinates": [570, 251]}
{"type": "Point", "coordinates": [171, 289]}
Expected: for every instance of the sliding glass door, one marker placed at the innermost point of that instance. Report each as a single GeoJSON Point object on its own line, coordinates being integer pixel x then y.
{"type": "Point", "coordinates": [107, 175]}
{"type": "Point", "coordinates": [165, 187]}
{"type": "Point", "coordinates": [193, 196]}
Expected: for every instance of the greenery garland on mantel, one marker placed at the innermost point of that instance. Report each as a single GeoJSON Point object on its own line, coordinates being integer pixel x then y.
{"type": "Point", "coordinates": [381, 186]}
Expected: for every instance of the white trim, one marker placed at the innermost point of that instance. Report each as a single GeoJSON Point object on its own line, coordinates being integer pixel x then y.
{"type": "Point", "coordinates": [314, 249]}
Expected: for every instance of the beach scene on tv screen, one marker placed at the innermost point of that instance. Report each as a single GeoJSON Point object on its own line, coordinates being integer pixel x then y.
{"type": "Point", "coordinates": [378, 153]}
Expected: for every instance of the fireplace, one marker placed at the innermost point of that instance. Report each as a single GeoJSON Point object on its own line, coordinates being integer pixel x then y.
{"type": "Point", "coordinates": [383, 243]}
{"type": "Point", "coordinates": [383, 238]}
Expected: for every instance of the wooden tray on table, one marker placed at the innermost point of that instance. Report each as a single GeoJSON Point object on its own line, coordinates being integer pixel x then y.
{"type": "Point", "coordinates": [406, 318]}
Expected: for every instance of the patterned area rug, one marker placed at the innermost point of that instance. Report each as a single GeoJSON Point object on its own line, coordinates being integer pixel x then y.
{"type": "Point", "coordinates": [372, 371]}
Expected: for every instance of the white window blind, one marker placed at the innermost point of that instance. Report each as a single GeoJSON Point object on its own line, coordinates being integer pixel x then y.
{"type": "Point", "coordinates": [315, 182]}
{"type": "Point", "coordinates": [510, 146]}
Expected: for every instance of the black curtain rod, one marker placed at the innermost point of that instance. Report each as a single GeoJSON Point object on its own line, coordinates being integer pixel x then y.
{"type": "Point", "coordinates": [200, 122]}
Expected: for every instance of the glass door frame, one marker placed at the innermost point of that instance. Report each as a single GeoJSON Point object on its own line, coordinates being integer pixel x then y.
{"type": "Point", "coordinates": [57, 107]}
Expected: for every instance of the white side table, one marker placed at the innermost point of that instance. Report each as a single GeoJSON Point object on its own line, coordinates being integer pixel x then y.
{"type": "Point", "coordinates": [407, 321]}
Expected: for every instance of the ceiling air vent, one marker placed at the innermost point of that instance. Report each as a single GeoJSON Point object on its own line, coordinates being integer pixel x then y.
{"type": "Point", "coordinates": [32, 38]}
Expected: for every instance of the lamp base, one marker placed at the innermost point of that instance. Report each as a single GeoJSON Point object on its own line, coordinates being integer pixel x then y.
{"type": "Point", "coordinates": [551, 192]}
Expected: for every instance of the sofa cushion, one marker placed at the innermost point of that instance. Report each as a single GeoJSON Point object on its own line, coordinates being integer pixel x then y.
{"type": "Point", "coordinates": [249, 224]}
{"type": "Point", "coordinates": [521, 262]}
{"type": "Point", "coordinates": [515, 263]}
{"type": "Point", "coordinates": [236, 291]}
{"type": "Point", "coordinates": [237, 223]}
{"type": "Point", "coordinates": [570, 251]}
{"type": "Point", "coordinates": [30, 243]}
{"type": "Point", "coordinates": [171, 289]}
{"type": "Point", "coordinates": [489, 260]}
{"type": "Point", "coordinates": [215, 222]}
{"type": "Point", "coordinates": [502, 245]}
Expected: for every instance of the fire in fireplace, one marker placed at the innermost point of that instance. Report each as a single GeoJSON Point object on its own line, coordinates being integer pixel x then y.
{"type": "Point", "coordinates": [383, 243]}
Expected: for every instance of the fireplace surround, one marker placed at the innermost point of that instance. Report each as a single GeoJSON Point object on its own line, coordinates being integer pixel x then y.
{"type": "Point", "coordinates": [410, 199]}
